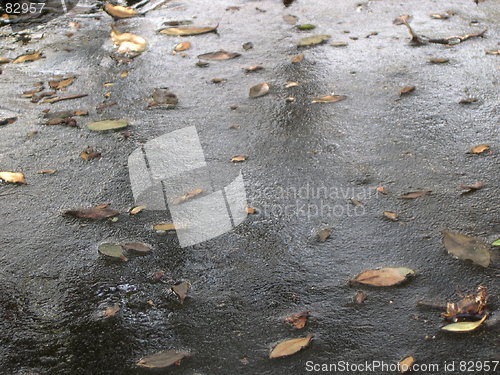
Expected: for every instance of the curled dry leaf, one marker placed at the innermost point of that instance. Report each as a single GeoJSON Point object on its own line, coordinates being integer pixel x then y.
{"type": "Point", "coordinates": [95, 213]}
{"type": "Point", "coordinates": [118, 11]}
{"type": "Point", "coordinates": [188, 30]}
{"type": "Point", "coordinates": [291, 84]}
{"type": "Point", "coordinates": [258, 90]}
{"type": "Point", "coordinates": [479, 149]}
{"type": "Point", "coordinates": [27, 58]}
{"type": "Point", "coordinates": [239, 158]}
{"type": "Point", "coordinates": [137, 247]}
{"type": "Point", "coordinates": [61, 84]}
{"type": "Point", "coordinates": [359, 297]}
{"type": "Point", "coordinates": [416, 194]}
{"type": "Point", "coordinates": [136, 209]}
{"type": "Point", "coordinates": [468, 101]}
{"type": "Point", "coordinates": [219, 55]}
{"type": "Point", "coordinates": [297, 58]}
{"type": "Point", "coordinates": [329, 99]}
{"type": "Point", "coordinates": [110, 311]}
{"type": "Point", "coordinates": [290, 99]}
{"type": "Point", "coordinates": [162, 359]}
{"type": "Point", "coordinates": [313, 40]}
{"type": "Point", "coordinates": [493, 52]}
{"type": "Point", "coordinates": [167, 227]}
{"type": "Point", "coordinates": [13, 177]}
{"type": "Point", "coordinates": [64, 114]}
{"type": "Point", "coordinates": [391, 215]}
{"type": "Point", "coordinates": [467, 248]}
{"type": "Point", "coordinates": [405, 364]}
{"type": "Point", "coordinates": [406, 90]}
{"type": "Point", "coordinates": [438, 61]}
{"type": "Point", "coordinates": [254, 68]}
{"type": "Point", "coordinates": [217, 80]}
{"type": "Point", "coordinates": [189, 195]}
{"type": "Point", "coordinates": [324, 234]}
{"type": "Point", "coordinates": [384, 276]}
{"type": "Point", "coordinates": [298, 320]}
{"type": "Point", "coordinates": [128, 42]}
{"type": "Point", "coordinates": [107, 125]}
{"type": "Point", "coordinates": [8, 121]}
{"type": "Point", "coordinates": [471, 188]}
{"type": "Point", "coordinates": [181, 290]}
{"type": "Point", "coordinates": [183, 46]}
{"type": "Point", "coordinates": [112, 250]}
{"type": "Point", "coordinates": [464, 326]}
{"type": "Point", "coordinates": [289, 347]}
{"type": "Point", "coordinates": [470, 306]}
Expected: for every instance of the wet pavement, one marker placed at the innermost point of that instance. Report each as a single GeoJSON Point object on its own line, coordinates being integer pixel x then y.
{"type": "Point", "coordinates": [305, 161]}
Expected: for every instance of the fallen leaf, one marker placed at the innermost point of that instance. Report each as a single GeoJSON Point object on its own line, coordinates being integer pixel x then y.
{"type": "Point", "coordinates": [128, 43]}
{"type": "Point", "coordinates": [471, 188]}
{"type": "Point", "coordinates": [291, 84]}
{"type": "Point", "coordinates": [162, 359]}
{"type": "Point", "coordinates": [219, 55]}
{"type": "Point", "coordinates": [405, 364]}
{"type": "Point", "coordinates": [7, 121]}
{"type": "Point", "coordinates": [251, 211]}
{"type": "Point", "coordinates": [313, 40]}
{"type": "Point", "coordinates": [391, 215]}
{"type": "Point", "coordinates": [217, 80]}
{"type": "Point", "coordinates": [181, 290]}
{"type": "Point", "coordinates": [46, 171]}
{"type": "Point", "coordinates": [118, 11]}
{"type": "Point", "coordinates": [92, 213]}
{"type": "Point", "coordinates": [61, 84]}
{"type": "Point", "coordinates": [258, 90]}
{"type": "Point", "coordinates": [107, 125]}
{"type": "Point", "coordinates": [254, 68]}
{"type": "Point", "coordinates": [297, 58]}
{"type": "Point", "coordinates": [305, 26]}
{"type": "Point", "coordinates": [464, 326]}
{"type": "Point", "coordinates": [468, 307]}
{"type": "Point", "coordinates": [479, 149]}
{"type": "Point", "coordinates": [496, 242]}
{"type": "Point", "coordinates": [329, 99]}
{"type": "Point", "coordinates": [438, 61]}
{"type": "Point", "coordinates": [298, 320]}
{"type": "Point", "coordinates": [64, 114]}
{"type": "Point", "coordinates": [13, 177]}
{"type": "Point", "coordinates": [384, 276]}
{"type": "Point", "coordinates": [188, 30]}
{"type": "Point", "coordinates": [248, 45]}
{"type": "Point", "coordinates": [239, 158]}
{"type": "Point", "coordinates": [27, 58]}
{"type": "Point", "coordinates": [416, 194]}
{"type": "Point", "coordinates": [137, 247]}
{"type": "Point", "coordinates": [4, 60]}
{"type": "Point", "coordinates": [289, 347]}
{"type": "Point", "coordinates": [136, 209]}
{"type": "Point", "coordinates": [324, 234]}
{"type": "Point", "coordinates": [124, 74]}
{"type": "Point", "coordinates": [110, 311]}
{"type": "Point", "coordinates": [165, 227]}
{"type": "Point", "coordinates": [287, 3]}
{"type": "Point", "coordinates": [381, 190]}
{"type": "Point", "coordinates": [290, 99]}
{"type": "Point", "coordinates": [439, 16]}
{"type": "Point", "coordinates": [468, 101]}
{"type": "Point", "coordinates": [401, 20]}
{"type": "Point", "coordinates": [112, 250]}
{"type": "Point", "coordinates": [359, 297]}
{"type": "Point", "coordinates": [356, 202]}
{"type": "Point", "coordinates": [183, 46]}
{"type": "Point", "coordinates": [292, 20]}
{"type": "Point", "coordinates": [157, 276]}
{"type": "Point", "coordinates": [465, 247]}
{"type": "Point", "coordinates": [406, 90]}
{"type": "Point", "coordinates": [189, 195]}
{"type": "Point", "coordinates": [493, 52]}
{"type": "Point", "coordinates": [202, 64]}
{"type": "Point", "coordinates": [338, 44]}
{"type": "Point", "coordinates": [89, 154]}
{"type": "Point", "coordinates": [164, 98]}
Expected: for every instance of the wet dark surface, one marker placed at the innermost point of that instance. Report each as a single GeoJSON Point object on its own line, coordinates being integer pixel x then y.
{"type": "Point", "coordinates": [54, 283]}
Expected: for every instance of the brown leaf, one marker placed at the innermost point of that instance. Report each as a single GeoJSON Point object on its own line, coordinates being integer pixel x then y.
{"type": "Point", "coordinates": [298, 320]}
{"type": "Point", "coordinates": [89, 154]}
{"type": "Point", "coordinates": [324, 234]}
{"type": "Point", "coordinates": [110, 311]}
{"type": "Point", "coordinates": [291, 84]}
{"type": "Point", "coordinates": [189, 195]}
{"type": "Point", "coordinates": [254, 68]}
{"type": "Point", "coordinates": [8, 121]}
{"type": "Point", "coordinates": [64, 114]}
{"type": "Point", "coordinates": [258, 90]}
{"type": "Point", "coordinates": [405, 364]}
{"type": "Point", "coordinates": [168, 227]}
{"type": "Point", "coordinates": [470, 305]}
{"type": "Point", "coordinates": [415, 194]}
{"type": "Point", "coordinates": [219, 55]}
{"type": "Point", "coordinates": [182, 46]}
{"type": "Point", "coordinates": [329, 99]}
{"type": "Point", "coordinates": [118, 11]}
{"type": "Point", "coordinates": [391, 215]}
{"type": "Point", "coordinates": [406, 90]}
{"type": "Point", "coordinates": [359, 297]}
{"type": "Point", "coordinates": [188, 30]}
{"type": "Point", "coordinates": [92, 213]}
{"type": "Point", "coordinates": [297, 58]}
{"type": "Point", "coordinates": [238, 158]}
{"type": "Point", "coordinates": [62, 83]}
{"type": "Point", "coordinates": [467, 248]}
{"type": "Point", "coordinates": [217, 80]}
{"type": "Point", "coordinates": [181, 290]}
{"type": "Point", "coordinates": [438, 61]}
{"type": "Point", "coordinates": [137, 247]}
{"type": "Point", "coordinates": [439, 16]}
{"type": "Point", "coordinates": [339, 44]}
{"type": "Point", "coordinates": [471, 188]}
{"type": "Point", "coordinates": [493, 52]}
{"type": "Point", "coordinates": [355, 202]}
{"type": "Point", "coordinates": [381, 190]}
{"type": "Point", "coordinates": [468, 101]}
{"type": "Point", "coordinates": [27, 58]}
{"type": "Point", "coordinates": [47, 171]}
{"type": "Point", "coordinates": [136, 209]}
{"type": "Point", "coordinates": [162, 359]}
{"type": "Point", "coordinates": [479, 149]}
{"type": "Point", "coordinates": [251, 211]}
{"type": "Point", "coordinates": [292, 20]}
{"type": "Point", "coordinates": [157, 276]}
{"type": "Point", "coordinates": [248, 45]}
{"type": "Point", "coordinates": [12, 177]}
{"type": "Point", "coordinates": [384, 276]}
{"type": "Point", "coordinates": [289, 347]}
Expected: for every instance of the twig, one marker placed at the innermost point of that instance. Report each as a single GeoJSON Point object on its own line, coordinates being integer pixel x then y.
{"type": "Point", "coordinates": [68, 98]}
{"type": "Point", "coordinates": [432, 305]}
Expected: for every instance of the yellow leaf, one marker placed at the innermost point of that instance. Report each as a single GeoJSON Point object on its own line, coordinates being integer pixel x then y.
{"type": "Point", "coordinates": [289, 347]}
{"type": "Point", "coordinates": [479, 149]}
{"type": "Point", "coordinates": [128, 42]}
{"type": "Point", "coordinates": [27, 58]}
{"type": "Point", "coordinates": [405, 364]}
{"type": "Point", "coordinates": [165, 227]}
{"type": "Point", "coordinates": [119, 11]}
{"type": "Point", "coordinates": [136, 209]}
{"type": "Point", "coordinates": [464, 326]}
{"type": "Point", "coordinates": [13, 177]}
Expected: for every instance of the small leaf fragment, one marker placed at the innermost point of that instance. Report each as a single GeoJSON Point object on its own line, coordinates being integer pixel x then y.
{"type": "Point", "coordinates": [188, 30]}
{"type": "Point", "coordinates": [258, 90]}
{"type": "Point", "coordinates": [416, 194]}
{"type": "Point", "coordinates": [250, 210]}
{"type": "Point", "coordinates": [339, 44]}
{"type": "Point", "coordinates": [119, 11]}
{"type": "Point", "coordinates": [254, 68]}
{"type": "Point", "coordinates": [181, 290]}
{"type": "Point", "coordinates": [406, 90]}
{"type": "Point", "coordinates": [464, 326]}
{"type": "Point", "coordinates": [493, 52]}
{"type": "Point", "coordinates": [359, 298]}
{"type": "Point", "coordinates": [107, 125]}
{"type": "Point", "coordinates": [27, 58]}
{"type": "Point", "coordinates": [324, 234]}
{"type": "Point", "coordinates": [313, 40]}
{"type": "Point", "coordinates": [219, 55]}
{"type": "Point", "coordinates": [128, 43]}
{"type": "Point", "coordinates": [162, 359]}
{"type": "Point", "coordinates": [438, 61]}
{"type": "Point", "coordinates": [292, 20]}
{"type": "Point", "coordinates": [61, 84]}
{"type": "Point", "coordinates": [381, 190]}
{"type": "Point", "coordinates": [291, 84]}
{"type": "Point", "coordinates": [95, 213]}
{"type": "Point", "coordinates": [479, 149]}
{"type": "Point", "coordinates": [46, 171]}
{"type": "Point", "coordinates": [137, 247]}
{"type": "Point", "coordinates": [238, 158]}
{"type": "Point", "coordinates": [467, 101]}
{"type": "Point", "coordinates": [439, 16]}
{"type": "Point", "coordinates": [110, 311]}
{"type": "Point", "coordinates": [405, 364]}
{"type": "Point", "coordinates": [471, 188]}
{"type": "Point", "coordinates": [467, 248]}
{"type": "Point", "coordinates": [329, 99]}
{"type": "Point", "coordinates": [297, 320]}
{"type": "Point", "coordinates": [136, 209]}
{"type": "Point", "coordinates": [297, 58]}
{"type": "Point", "coordinates": [189, 195]}
{"type": "Point", "coordinates": [388, 276]}
{"type": "Point", "coordinates": [13, 177]}
{"type": "Point", "coordinates": [112, 250]}
{"type": "Point", "coordinates": [391, 215]}
{"type": "Point", "coordinates": [289, 347]}
{"type": "Point", "coordinates": [89, 154]}
{"type": "Point", "coordinates": [183, 46]}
